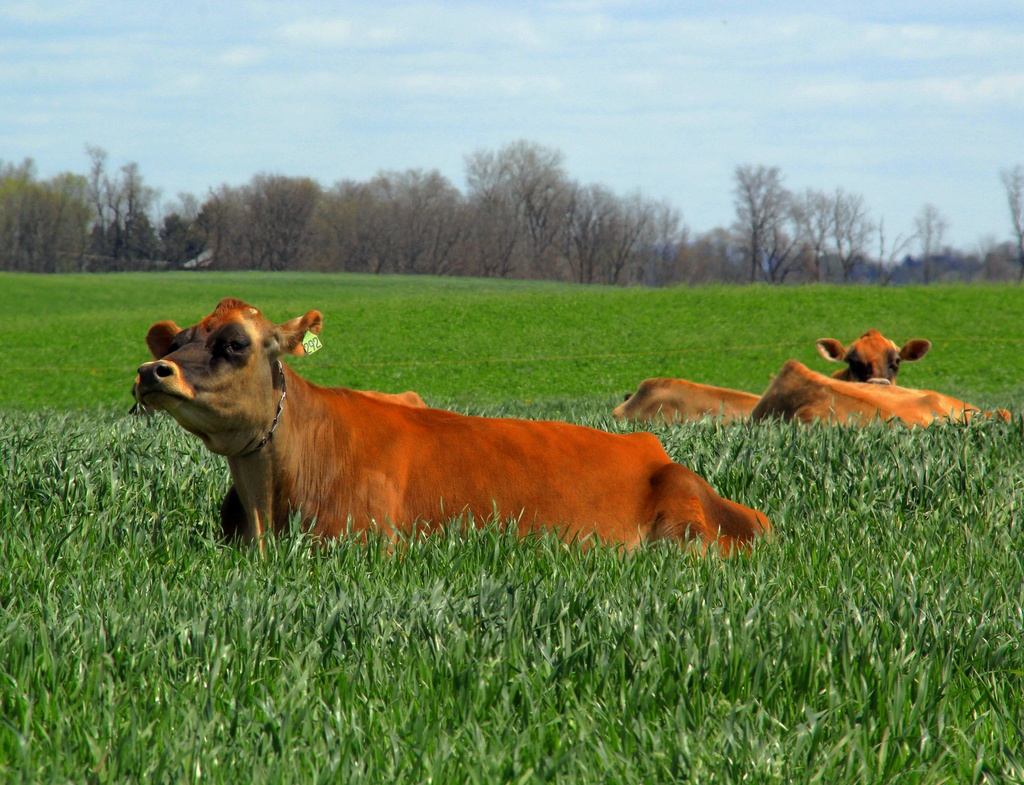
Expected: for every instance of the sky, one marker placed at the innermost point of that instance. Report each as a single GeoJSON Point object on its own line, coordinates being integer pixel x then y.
{"type": "Point", "coordinates": [905, 103]}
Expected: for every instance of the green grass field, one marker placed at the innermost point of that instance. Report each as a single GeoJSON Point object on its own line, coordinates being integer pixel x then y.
{"type": "Point", "coordinates": [73, 342]}
{"type": "Point", "coordinates": [877, 638]}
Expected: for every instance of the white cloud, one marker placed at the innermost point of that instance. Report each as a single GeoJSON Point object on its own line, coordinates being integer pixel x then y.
{"type": "Point", "coordinates": [36, 13]}
{"type": "Point", "coordinates": [319, 32]}
{"type": "Point", "coordinates": [479, 86]}
{"type": "Point", "coordinates": [910, 93]}
{"type": "Point", "coordinates": [242, 56]}
{"type": "Point", "coordinates": [929, 42]}
{"type": "Point", "coordinates": [998, 89]}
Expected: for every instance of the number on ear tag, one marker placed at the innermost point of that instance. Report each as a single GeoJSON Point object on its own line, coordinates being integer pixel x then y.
{"type": "Point", "coordinates": [311, 343]}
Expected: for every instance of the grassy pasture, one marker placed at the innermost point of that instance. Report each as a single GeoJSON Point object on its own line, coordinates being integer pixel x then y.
{"type": "Point", "coordinates": [877, 638]}
{"type": "Point", "coordinates": [73, 342]}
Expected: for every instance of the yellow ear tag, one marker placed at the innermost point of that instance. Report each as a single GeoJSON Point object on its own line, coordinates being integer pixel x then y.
{"type": "Point", "coordinates": [311, 343]}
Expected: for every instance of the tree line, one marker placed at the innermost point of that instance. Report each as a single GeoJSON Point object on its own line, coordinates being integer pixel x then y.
{"type": "Point", "coordinates": [520, 216]}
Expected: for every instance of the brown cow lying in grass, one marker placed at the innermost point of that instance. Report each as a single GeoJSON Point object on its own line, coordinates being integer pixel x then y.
{"type": "Point", "coordinates": [676, 400]}
{"type": "Point", "coordinates": [407, 398]}
{"type": "Point", "coordinates": [871, 358]}
{"type": "Point", "coordinates": [343, 460]}
{"type": "Point", "coordinates": [798, 393]}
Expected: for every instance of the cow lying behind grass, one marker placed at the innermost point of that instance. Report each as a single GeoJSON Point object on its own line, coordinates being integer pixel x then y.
{"type": "Point", "coordinates": [798, 393]}
{"type": "Point", "coordinates": [871, 358]}
{"type": "Point", "coordinates": [343, 460]}
{"type": "Point", "coordinates": [679, 400]}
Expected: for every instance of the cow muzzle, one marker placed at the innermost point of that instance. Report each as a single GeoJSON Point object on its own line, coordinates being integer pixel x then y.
{"type": "Point", "coordinates": [878, 380]}
{"type": "Point", "coordinates": [160, 385]}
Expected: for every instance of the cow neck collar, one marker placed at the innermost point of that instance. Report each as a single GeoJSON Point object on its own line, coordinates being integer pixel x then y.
{"type": "Point", "coordinates": [277, 417]}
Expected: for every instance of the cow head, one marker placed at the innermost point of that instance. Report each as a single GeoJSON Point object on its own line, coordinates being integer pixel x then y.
{"type": "Point", "coordinates": [872, 357]}
{"type": "Point", "coordinates": [221, 378]}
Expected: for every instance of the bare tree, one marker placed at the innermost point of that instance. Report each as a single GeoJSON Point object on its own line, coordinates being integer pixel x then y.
{"type": "Point", "coordinates": [520, 194]}
{"type": "Point", "coordinates": [280, 210]}
{"type": "Point", "coordinates": [123, 234]}
{"type": "Point", "coordinates": [888, 255]}
{"type": "Point", "coordinates": [652, 233]}
{"type": "Point", "coordinates": [588, 216]}
{"type": "Point", "coordinates": [625, 238]}
{"type": "Point", "coordinates": [851, 229]}
{"type": "Point", "coordinates": [931, 226]}
{"type": "Point", "coordinates": [97, 178]}
{"type": "Point", "coordinates": [1013, 180]}
{"type": "Point", "coordinates": [398, 222]}
{"type": "Point", "coordinates": [187, 206]}
{"type": "Point", "coordinates": [762, 210]}
{"type": "Point", "coordinates": [608, 239]}
{"type": "Point", "coordinates": [415, 222]}
{"type": "Point", "coordinates": [781, 252]}
{"type": "Point", "coordinates": [342, 227]}
{"type": "Point", "coordinates": [814, 217]}
{"type": "Point", "coordinates": [225, 215]}
{"type": "Point", "coordinates": [520, 217]}
{"type": "Point", "coordinates": [492, 235]}
{"type": "Point", "coordinates": [660, 248]}
{"type": "Point", "coordinates": [539, 178]}
{"type": "Point", "coordinates": [494, 222]}
{"type": "Point", "coordinates": [137, 236]}
{"type": "Point", "coordinates": [712, 256]}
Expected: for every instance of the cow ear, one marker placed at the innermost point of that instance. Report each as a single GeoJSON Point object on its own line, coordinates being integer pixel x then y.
{"type": "Point", "coordinates": [915, 350]}
{"type": "Point", "coordinates": [159, 338]}
{"type": "Point", "coordinates": [830, 349]}
{"type": "Point", "coordinates": [290, 334]}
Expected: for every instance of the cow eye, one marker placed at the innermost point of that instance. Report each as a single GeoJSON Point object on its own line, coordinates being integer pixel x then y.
{"type": "Point", "coordinates": [231, 348]}
{"type": "Point", "coordinates": [176, 344]}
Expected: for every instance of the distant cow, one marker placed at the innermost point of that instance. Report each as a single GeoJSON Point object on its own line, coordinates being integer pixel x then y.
{"type": "Point", "coordinates": [408, 398]}
{"type": "Point", "coordinates": [675, 400]}
{"type": "Point", "coordinates": [343, 460]}
{"type": "Point", "coordinates": [798, 393]}
{"type": "Point", "coordinates": [872, 357]}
